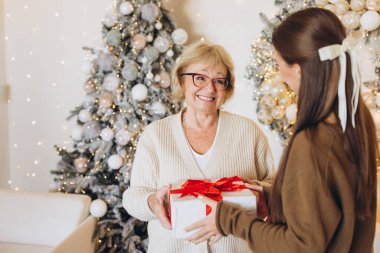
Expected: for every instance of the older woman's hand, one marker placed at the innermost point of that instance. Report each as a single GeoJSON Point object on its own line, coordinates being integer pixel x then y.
{"type": "Point", "coordinates": [156, 204]}
{"type": "Point", "coordinates": [207, 225]}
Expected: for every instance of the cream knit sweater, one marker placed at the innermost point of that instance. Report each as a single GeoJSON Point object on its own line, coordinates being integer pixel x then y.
{"type": "Point", "coordinates": [164, 157]}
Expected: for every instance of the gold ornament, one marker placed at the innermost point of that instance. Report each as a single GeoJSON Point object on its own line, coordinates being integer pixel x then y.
{"type": "Point", "coordinates": [373, 5]}
{"type": "Point", "coordinates": [357, 5]}
{"type": "Point", "coordinates": [278, 112]}
{"type": "Point", "coordinates": [342, 7]}
{"type": "Point", "coordinates": [268, 101]}
{"type": "Point", "coordinates": [321, 3]}
{"type": "Point", "coordinates": [351, 20]}
{"type": "Point", "coordinates": [264, 117]}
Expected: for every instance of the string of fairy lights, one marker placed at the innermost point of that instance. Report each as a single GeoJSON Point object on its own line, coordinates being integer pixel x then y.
{"type": "Point", "coordinates": [276, 102]}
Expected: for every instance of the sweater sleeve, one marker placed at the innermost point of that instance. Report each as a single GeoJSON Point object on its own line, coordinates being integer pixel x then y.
{"type": "Point", "coordinates": [142, 184]}
{"type": "Point", "coordinates": [312, 216]}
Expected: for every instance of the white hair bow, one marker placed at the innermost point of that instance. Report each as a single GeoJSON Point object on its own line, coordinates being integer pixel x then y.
{"type": "Point", "coordinates": [330, 53]}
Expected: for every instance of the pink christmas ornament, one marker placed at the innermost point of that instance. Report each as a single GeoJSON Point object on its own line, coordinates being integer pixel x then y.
{"type": "Point", "coordinates": [164, 79]}
{"type": "Point", "coordinates": [81, 164]}
{"type": "Point", "coordinates": [138, 41]}
{"type": "Point", "coordinates": [105, 100]}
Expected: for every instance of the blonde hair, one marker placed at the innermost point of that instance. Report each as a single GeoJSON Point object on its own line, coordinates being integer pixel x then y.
{"type": "Point", "coordinates": [208, 53]}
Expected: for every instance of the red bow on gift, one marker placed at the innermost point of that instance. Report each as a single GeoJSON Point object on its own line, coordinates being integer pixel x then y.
{"type": "Point", "coordinates": [209, 189]}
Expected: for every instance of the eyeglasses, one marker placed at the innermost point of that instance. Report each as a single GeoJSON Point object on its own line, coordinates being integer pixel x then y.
{"type": "Point", "coordinates": [201, 81]}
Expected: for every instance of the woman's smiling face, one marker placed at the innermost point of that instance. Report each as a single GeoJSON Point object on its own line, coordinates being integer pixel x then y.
{"type": "Point", "coordinates": [205, 99]}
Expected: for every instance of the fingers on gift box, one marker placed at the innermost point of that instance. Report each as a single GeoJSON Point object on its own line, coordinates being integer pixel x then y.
{"type": "Point", "coordinates": [186, 210]}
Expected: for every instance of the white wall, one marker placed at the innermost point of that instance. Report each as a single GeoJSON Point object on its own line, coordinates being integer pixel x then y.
{"type": "Point", "coordinates": [43, 59]}
{"type": "Point", "coordinates": [4, 151]}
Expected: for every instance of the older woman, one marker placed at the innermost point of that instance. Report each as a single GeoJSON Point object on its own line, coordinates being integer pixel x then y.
{"type": "Point", "coordinates": [200, 142]}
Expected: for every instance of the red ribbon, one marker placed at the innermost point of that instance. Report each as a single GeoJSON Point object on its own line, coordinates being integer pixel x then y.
{"type": "Point", "coordinates": [209, 189]}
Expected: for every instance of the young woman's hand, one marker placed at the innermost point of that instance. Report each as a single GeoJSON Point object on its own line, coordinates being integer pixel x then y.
{"type": "Point", "coordinates": [207, 225]}
{"type": "Point", "coordinates": [262, 209]}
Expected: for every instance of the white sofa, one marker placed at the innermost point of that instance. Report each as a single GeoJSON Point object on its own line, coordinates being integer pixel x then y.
{"type": "Point", "coordinates": [45, 222]}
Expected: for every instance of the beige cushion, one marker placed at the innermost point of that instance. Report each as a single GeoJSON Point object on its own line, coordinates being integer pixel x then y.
{"type": "Point", "coordinates": [40, 218]}
{"type": "Point", "coordinates": [23, 248]}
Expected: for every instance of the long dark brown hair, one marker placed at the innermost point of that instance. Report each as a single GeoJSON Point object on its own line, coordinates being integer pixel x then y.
{"type": "Point", "coordinates": [297, 40]}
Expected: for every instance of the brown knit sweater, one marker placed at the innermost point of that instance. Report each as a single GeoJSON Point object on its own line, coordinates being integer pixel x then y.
{"type": "Point", "coordinates": [318, 196]}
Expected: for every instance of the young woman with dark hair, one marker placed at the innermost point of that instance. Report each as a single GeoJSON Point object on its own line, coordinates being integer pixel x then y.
{"type": "Point", "coordinates": [324, 195]}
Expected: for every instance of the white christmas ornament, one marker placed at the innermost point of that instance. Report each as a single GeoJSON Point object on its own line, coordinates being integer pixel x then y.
{"type": "Point", "coordinates": [111, 82]}
{"type": "Point", "coordinates": [278, 89]}
{"type": "Point", "coordinates": [321, 3]}
{"type": "Point", "coordinates": [126, 8]}
{"type": "Point", "coordinates": [129, 72]}
{"type": "Point", "coordinates": [98, 208]}
{"type": "Point", "coordinates": [91, 130]}
{"type": "Point", "coordinates": [161, 43]}
{"type": "Point", "coordinates": [77, 133]}
{"type": "Point", "coordinates": [357, 5]}
{"type": "Point", "coordinates": [170, 53]}
{"type": "Point", "coordinates": [370, 20]}
{"type": "Point", "coordinates": [149, 75]}
{"type": "Point", "coordinates": [110, 19]}
{"type": "Point", "coordinates": [157, 78]}
{"type": "Point", "coordinates": [123, 137]}
{"type": "Point", "coordinates": [107, 134]}
{"type": "Point", "coordinates": [88, 101]}
{"type": "Point", "coordinates": [158, 25]}
{"type": "Point", "coordinates": [113, 37]}
{"type": "Point", "coordinates": [106, 61]}
{"type": "Point", "coordinates": [149, 38]}
{"type": "Point", "coordinates": [115, 162]}
{"type": "Point", "coordinates": [158, 109]}
{"type": "Point", "coordinates": [84, 116]}
{"type": "Point", "coordinates": [351, 20]}
{"type": "Point", "coordinates": [179, 36]}
{"type": "Point", "coordinates": [139, 92]}
{"type": "Point", "coordinates": [266, 87]}
{"type": "Point", "coordinates": [150, 12]}
{"type": "Point", "coordinates": [291, 113]}
{"type": "Point", "coordinates": [87, 67]}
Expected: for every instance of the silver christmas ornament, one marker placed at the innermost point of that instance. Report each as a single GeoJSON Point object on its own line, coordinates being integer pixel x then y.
{"type": "Point", "coordinates": [150, 12]}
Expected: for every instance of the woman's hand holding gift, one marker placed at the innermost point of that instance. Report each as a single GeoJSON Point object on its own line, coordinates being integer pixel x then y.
{"type": "Point", "coordinates": [156, 204]}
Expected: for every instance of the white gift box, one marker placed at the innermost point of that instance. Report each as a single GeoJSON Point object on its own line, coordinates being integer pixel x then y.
{"type": "Point", "coordinates": [188, 210]}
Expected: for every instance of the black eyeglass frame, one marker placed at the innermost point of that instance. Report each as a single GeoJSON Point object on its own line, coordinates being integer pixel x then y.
{"type": "Point", "coordinates": [212, 80]}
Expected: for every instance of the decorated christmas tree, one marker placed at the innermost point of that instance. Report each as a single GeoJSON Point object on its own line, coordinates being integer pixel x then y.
{"type": "Point", "coordinates": [128, 87]}
{"type": "Point", "coordinates": [276, 103]}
